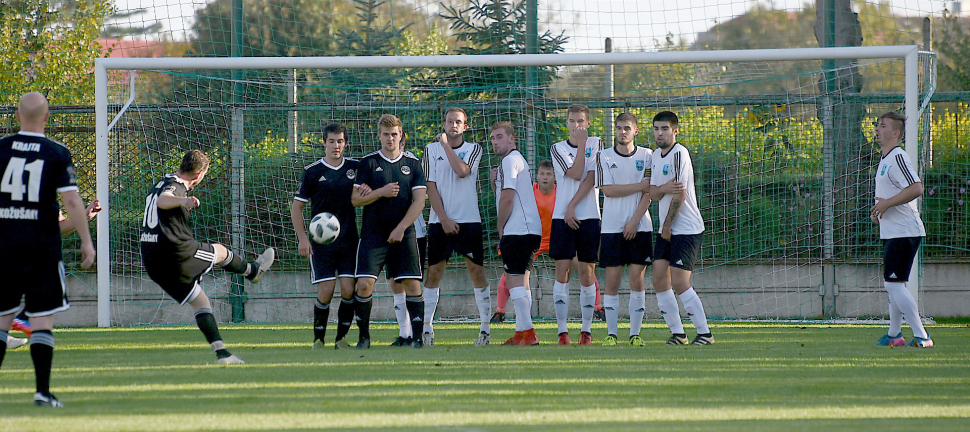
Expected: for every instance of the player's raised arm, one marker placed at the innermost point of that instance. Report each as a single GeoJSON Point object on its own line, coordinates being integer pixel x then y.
{"type": "Point", "coordinates": [67, 225]}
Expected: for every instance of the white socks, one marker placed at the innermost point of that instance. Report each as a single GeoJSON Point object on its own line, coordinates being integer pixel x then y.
{"type": "Point", "coordinates": [637, 309]}
{"type": "Point", "coordinates": [900, 296]}
{"type": "Point", "coordinates": [484, 303]}
{"type": "Point", "coordinates": [523, 313]}
{"type": "Point", "coordinates": [695, 310]}
{"type": "Point", "coordinates": [667, 302]}
{"type": "Point", "coordinates": [611, 306]}
{"type": "Point", "coordinates": [587, 298]}
{"type": "Point", "coordinates": [401, 312]}
{"type": "Point", "coordinates": [560, 295]}
{"type": "Point", "coordinates": [430, 304]}
{"type": "Point", "coordinates": [895, 318]}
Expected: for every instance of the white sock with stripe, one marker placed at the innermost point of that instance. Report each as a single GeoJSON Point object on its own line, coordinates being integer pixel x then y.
{"type": "Point", "coordinates": [907, 305]}
{"type": "Point", "coordinates": [667, 302]}
{"type": "Point", "coordinates": [430, 305]}
{"type": "Point", "coordinates": [484, 302]}
{"type": "Point", "coordinates": [587, 299]}
{"type": "Point", "coordinates": [401, 313]}
{"type": "Point", "coordinates": [695, 310]}
{"type": "Point", "coordinates": [611, 306]}
{"type": "Point", "coordinates": [560, 295]}
{"type": "Point", "coordinates": [638, 305]}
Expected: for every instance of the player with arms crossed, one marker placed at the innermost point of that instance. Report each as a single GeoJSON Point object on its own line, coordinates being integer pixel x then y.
{"type": "Point", "coordinates": [575, 220]}
{"type": "Point", "coordinates": [625, 239]}
{"type": "Point", "coordinates": [327, 184]}
{"type": "Point", "coordinates": [900, 228]}
{"type": "Point", "coordinates": [454, 225]}
{"type": "Point", "coordinates": [176, 261]}
{"type": "Point", "coordinates": [387, 237]}
{"type": "Point", "coordinates": [679, 240]}
{"type": "Point", "coordinates": [35, 169]}
{"type": "Point", "coordinates": [519, 228]}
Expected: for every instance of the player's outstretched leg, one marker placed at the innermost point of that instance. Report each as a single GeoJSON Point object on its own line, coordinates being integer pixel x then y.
{"type": "Point", "coordinates": [233, 263]}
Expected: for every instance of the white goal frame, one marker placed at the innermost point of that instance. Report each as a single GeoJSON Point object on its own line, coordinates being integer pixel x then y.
{"type": "Point", "coordinates": [910, 53]}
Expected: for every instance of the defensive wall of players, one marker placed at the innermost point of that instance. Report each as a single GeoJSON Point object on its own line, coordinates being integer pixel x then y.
{"type": "Point", "coordinates": [790, 291]}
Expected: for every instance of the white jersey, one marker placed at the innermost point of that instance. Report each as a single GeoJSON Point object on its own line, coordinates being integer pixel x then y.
{"type": "Point", "coordinates": [459, 196]}
{"type": "Point", "coordinates": [563, 154]}
{"type": "Point", "coordinates": [676, 165]}
{"type": "Point", "coordinates": [895, 174]}
{"type": "Point", "coordinates": [514, 173]}
{"type": "Point", "coordinates": [615, 168]}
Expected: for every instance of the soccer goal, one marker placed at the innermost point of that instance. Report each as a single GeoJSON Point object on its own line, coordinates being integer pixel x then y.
{"type": "Point", "coordinates": [780, 141]}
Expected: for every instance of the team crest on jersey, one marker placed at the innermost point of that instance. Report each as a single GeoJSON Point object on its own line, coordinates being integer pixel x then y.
{"type": "Point", "coordinates": [639, 165]}
{"type": "Point", "coordinates": [351, 174]}
{"type": "Point", "coordinates": [883, 171]}
{"type": "Point", "coordinates": [589, 151]}
{"type": "Point", "coordinates": [666, 169]}
{"type": "Point", "coordinates": [462, 155]}
{"type": "Point", "coordinates": [406, 170]}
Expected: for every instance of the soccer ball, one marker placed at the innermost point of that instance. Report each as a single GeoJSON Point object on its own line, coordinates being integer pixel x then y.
{"type": "Point", "coordinates": [324, 228]}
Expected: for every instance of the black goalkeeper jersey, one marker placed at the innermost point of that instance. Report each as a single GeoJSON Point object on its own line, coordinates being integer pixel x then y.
{"type": "Point", "coordinates": [35, 169]}
{"type": "Point", "coordinates": [171, 230]}
{"type": "Point", "coordinates": [376, 171]}
{"type": "Point", "coordinates": [328, 189]}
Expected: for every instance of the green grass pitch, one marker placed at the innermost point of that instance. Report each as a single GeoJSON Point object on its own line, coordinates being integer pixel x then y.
{"type": "Point", "coordinates": [790, 377]}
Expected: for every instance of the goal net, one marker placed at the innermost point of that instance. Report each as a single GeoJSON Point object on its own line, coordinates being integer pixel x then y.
{"type": "Point", "coordinates": [780, 141]}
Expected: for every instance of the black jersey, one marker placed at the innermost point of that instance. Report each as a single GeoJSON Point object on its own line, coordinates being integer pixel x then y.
{"type": "Point", "coordinates": [170, 229]}
{"type": "Point", "coordinates": [328, 189]}
{"type": "Point", "coordinates": [376, 171]}
{"type": "Point", "coordinates": [35, 169]}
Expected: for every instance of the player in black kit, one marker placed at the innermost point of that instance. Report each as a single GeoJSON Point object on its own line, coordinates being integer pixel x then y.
{"type": "Point", "coordinates": [35, 170]}
{"type": "Point", "coordinates": [327, 184]}
{"type": "Point", "coordinates": [175, 260]}
{"type": "Point", "coordinates": [387, 232]}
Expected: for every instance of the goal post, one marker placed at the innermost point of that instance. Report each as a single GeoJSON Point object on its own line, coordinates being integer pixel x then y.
{"type": "Point", "coordinates": [911, 100]}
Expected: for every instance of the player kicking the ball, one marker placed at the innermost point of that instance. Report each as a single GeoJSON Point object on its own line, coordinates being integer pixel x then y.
{"type": "Point", "coordinates": [900, 228]}
{"type": "Point", "coordinates": [387, 237]}
{"type": "Point", "coordinates": [519, 228]}
{"type": "Point", "coordinates": [327, 184]}
{"type": "Point", "coordinates": [625, 238]}
{"type": "Point", "coordinates": [176, 261]}
{"type": "Point", "coordinates": [679, 240]}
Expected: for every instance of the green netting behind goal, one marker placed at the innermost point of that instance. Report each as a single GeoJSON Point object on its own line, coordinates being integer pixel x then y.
{"type": "Point", "coordinates": [756, 131]}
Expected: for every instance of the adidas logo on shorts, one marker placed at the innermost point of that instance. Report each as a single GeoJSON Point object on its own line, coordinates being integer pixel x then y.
{"type": "Point", "coordinates": [679, 262]}
{"type": "Point", "coordinates": [892, 275]}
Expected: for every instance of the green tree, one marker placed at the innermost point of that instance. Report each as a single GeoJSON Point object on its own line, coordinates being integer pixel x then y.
{"type": "Point", "coordinates": [953, 45]}
{"type": "Point", "coordinates": [50, 46]}
{"type": "Point", "coordinates": [495, 27]}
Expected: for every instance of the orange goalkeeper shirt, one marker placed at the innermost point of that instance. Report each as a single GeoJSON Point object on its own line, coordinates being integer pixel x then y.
{"type": "Point", "coordinates": [546, 204]}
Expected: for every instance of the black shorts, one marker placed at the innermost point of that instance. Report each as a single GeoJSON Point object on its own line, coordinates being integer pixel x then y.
{"type": "Point", "coordinates": [518, 251]}
{"type": "Point", "coordinates": [618, 251]}
{"type": "Point", "coordinates": [897, 257]}
{"type": "Point", "coordinates": [329, 262]}
{"type": "Point", "coordinates": [39, 282]}
{"type": "Point", "coordinates": [400, 258]}
{"type": "Point", "coordinates": [467, 243]}
{"type": "Point", "coordinates": [681, 251]}
{"type": "Point", "coordinates": [179, 276]}
{"type": "Point", "coordinates": [566, 243]}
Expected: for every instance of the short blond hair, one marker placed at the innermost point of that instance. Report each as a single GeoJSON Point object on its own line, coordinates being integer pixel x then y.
{"type": "Point", "coordinates": [390, 121]}
{"type": "Point", "coordinates": [505, 126]}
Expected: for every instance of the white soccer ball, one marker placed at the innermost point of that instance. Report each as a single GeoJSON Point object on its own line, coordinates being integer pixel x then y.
{"type": "Point", "coordinates": [324, 228]}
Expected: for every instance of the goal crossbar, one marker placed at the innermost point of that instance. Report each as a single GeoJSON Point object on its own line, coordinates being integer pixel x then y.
{"type": "Point", "coordinates": [909, 53]}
